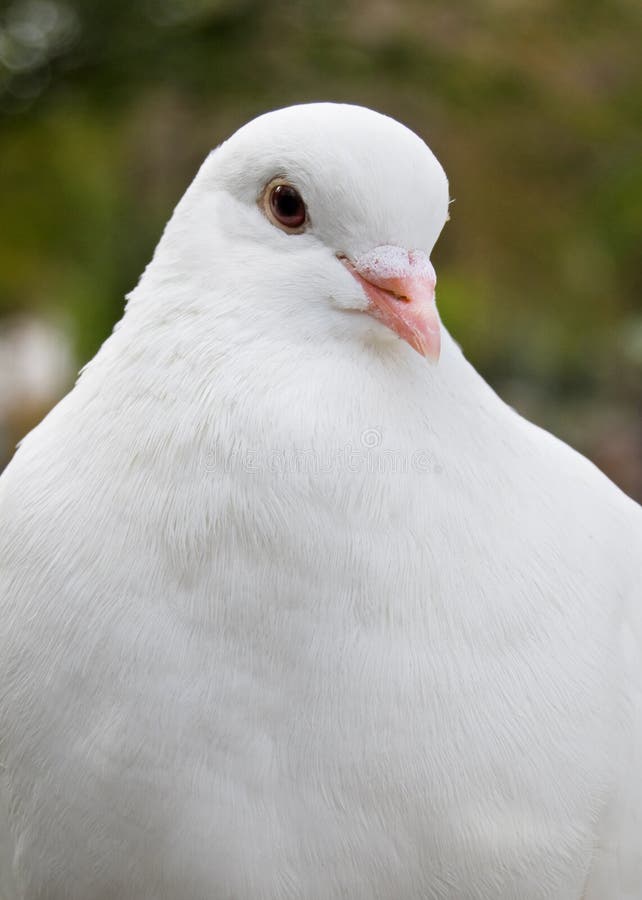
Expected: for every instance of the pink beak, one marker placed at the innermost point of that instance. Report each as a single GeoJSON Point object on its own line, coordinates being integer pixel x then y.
{"type": "Point", "coordinates": [400, 286]}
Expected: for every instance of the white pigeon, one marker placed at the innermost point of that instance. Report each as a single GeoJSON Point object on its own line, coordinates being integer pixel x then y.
{"type": "Point", "coordinates": [289, 610]}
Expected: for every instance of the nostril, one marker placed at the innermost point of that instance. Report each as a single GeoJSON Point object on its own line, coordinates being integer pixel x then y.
{"type": "Point", "coordinates": [421, 267]}
{"type": "Point", "coordinates": [394, 268]}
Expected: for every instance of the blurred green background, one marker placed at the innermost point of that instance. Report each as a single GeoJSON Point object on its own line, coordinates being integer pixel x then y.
{"type": "Point", "coordinates": [533, 107]}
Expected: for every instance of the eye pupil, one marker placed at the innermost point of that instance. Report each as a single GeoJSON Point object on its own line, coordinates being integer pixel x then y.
{"type": "Point", "coordinates": [287, 206]}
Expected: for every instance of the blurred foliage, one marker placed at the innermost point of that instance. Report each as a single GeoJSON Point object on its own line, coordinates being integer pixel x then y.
{"type": "Point", "coordinates": [534, 108]}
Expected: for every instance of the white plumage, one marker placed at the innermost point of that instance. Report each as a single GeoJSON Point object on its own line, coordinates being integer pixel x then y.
{"type": "Point", "coordinates": [287, 612]}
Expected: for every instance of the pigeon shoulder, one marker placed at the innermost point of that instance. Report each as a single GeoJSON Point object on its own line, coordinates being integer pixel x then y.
{"type": "Point", "coordinates": [578, 485]}
{"type": "Point", "coordinates": [558, 490]}
{"type": "Point", "coordinates": [598, 527]}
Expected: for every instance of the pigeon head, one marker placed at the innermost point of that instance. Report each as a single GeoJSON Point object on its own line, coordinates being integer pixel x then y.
{"type": "Point", "coordinates": [315, 223]}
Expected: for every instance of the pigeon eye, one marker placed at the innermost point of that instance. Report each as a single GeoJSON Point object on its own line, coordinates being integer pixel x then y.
{"type": "Point", "coordinates": [285, 207]}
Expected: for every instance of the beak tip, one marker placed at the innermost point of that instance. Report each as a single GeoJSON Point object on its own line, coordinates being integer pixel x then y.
{"type": "Point", "coordinates": [400, 287]}
{"type": "Point", "coordinates": [428, 346]}
{"type": "Point", "coordinates": [431, 357]}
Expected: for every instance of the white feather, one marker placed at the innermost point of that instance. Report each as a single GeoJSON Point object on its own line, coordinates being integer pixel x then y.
{"type": "Point", "coordinates": [288, 613]}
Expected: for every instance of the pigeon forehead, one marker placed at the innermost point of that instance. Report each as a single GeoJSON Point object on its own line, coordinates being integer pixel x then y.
{"type": "Point", "coordinates": [348, 161]}
{"type": "Point", "coordinates": [314, 123]}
